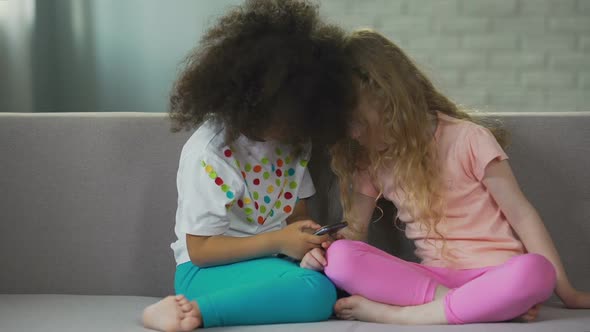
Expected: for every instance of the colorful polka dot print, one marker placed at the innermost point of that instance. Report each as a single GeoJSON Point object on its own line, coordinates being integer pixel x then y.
{"type": "Point", "coordinates": [272, 175]}
{"type": "Point", "coordinates": [218, 180]}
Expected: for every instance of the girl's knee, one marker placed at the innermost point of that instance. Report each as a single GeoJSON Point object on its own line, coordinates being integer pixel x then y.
{"type": "Point", "coordinates": [535, 275]}
{"type": "Point", "coordinates": [319, 293]}
{"type": "Point", "coordinates": [341, 257]}
{"type": "Point", "coordinates": [538, 265]}
{"type": "Point", "coordinates": [343, 246]}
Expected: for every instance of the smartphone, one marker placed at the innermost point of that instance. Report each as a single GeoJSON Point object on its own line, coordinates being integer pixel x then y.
{"type": "Point", "coordinates": [331, 229]}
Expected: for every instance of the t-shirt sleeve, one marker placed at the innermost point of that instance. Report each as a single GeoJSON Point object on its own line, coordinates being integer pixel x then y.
{"type": "Point", "coordinates": [207, 188]}
{"type": "Point", "coordinates": [363, 184]}
{"type": "Point", "coordinates": [480, 148]}
{"type": "Point", "coordinates": [306, 189]}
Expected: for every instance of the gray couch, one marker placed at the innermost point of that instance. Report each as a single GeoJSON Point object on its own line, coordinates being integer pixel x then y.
{"type": "Point", "coordinates": [87, 207]}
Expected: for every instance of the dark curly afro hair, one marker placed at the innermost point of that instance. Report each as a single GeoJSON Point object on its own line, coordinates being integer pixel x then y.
{"type": "Point", "coordinates": [268, 66]}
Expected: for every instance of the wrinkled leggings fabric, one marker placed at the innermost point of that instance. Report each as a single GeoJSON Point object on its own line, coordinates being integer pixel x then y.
{"type": "Point", "coordinates": [260, 291]}
{"type": "Point", "coordinates": [490, 294]}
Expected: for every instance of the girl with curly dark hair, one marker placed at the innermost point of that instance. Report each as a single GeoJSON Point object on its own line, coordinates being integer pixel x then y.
{"type": "Point", "coordinates": [264, 81]}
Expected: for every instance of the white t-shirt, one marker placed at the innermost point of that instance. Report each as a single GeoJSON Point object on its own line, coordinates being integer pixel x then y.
{"type": "Point", "coordinates": [239, 189]}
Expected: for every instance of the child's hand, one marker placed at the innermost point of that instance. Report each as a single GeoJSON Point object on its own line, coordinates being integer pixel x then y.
{"type": "Point", "coordinates": [295, 240]}
{"type": "Point", "coordinates": [314, 260]}
{"type": "Point", "coordinates": [577, 300]}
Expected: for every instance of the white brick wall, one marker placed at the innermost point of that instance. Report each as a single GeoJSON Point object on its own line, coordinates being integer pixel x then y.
{"type": "Point", "coordinates": [497, 55]}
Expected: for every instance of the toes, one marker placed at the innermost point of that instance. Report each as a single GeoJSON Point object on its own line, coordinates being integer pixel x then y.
{"type": "Point", "coordinates": [186, 307]}
{"type": "Point", "coordinates": [192, 313]}
{"type": "Point", "coordinates": [344, 313]}
{"type": "Point", "coordinates": [179, 297]}
{"type": "Point", "coordinates": [342, 316]}
{"type": "Point", "coordinates": [189, 323]}
{"type": "Point", "coordinates": [182, 301]}
{"type": "Point", "coordinates": [179, 313]}
{"type": "Point", "coordinates": [532, 314]}
{"type": "Point", "coordinates": [528, 317]}
{"type": "Point", "coordinates": [535, 310]}
{"type": "Point", "coordinates": [346, 317]}
{"type": "Point", "coordinates": [342, 304]}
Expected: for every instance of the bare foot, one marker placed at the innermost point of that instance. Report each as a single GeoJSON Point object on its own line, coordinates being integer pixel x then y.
{"type": "Point", "coordinates": [172, 314]}
{"type": "Point", "coordinates": [530, 315]}
{"type": "Point", "coordinates": [360, 308]}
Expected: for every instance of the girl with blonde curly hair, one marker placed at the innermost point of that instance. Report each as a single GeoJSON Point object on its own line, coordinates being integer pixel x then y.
{"type": "Point", "coordinates": [485, 254]}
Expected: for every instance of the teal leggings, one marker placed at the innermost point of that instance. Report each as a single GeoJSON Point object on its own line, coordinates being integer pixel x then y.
{"type": "Point", "coordinates": [261, 291]}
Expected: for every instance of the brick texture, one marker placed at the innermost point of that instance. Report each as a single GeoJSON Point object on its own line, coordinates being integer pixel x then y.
{"type": "Point", "coordinates": [496, 55]}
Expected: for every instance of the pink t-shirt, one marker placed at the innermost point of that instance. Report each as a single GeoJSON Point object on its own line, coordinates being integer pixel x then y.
{"type": "Point", "coordinates": [476, 231]}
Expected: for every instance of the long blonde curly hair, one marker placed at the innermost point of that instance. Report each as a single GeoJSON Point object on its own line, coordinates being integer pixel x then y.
{"type": "Point", "coordinates": [408, 102]}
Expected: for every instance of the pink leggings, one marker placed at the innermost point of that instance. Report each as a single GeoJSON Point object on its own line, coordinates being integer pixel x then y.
{"type": "Point", "coordinates": [490, 294]}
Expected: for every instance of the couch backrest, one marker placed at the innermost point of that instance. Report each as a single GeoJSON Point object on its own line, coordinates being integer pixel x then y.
{"type": "Point", "coordinates": [87, 200]}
